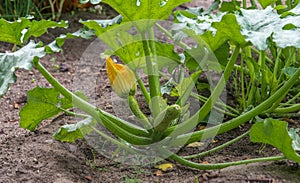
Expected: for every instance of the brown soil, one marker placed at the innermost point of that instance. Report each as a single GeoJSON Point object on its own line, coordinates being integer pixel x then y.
{"type": "Point", "coordinates": [36, 157]}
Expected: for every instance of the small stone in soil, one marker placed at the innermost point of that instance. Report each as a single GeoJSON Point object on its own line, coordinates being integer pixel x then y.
{"type": "Point", "coordinates": [63, 68]}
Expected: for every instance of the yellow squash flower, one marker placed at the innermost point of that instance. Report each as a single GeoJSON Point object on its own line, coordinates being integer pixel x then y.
{"type": "Point", "coordinates": [121, 78]}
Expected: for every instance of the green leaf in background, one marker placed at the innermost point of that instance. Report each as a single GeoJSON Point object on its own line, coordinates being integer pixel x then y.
{"type": "Point", "coordinates": [133, 10]}
{"type": "Point", "coordinates": [296, 139]}
{"type": "Point", "coordinates": [133, 54]}
{"type": "Point", "coordinates": [198, 21]}
{"type": "Point", "coordinates": [229, 6]}
{"type": "Point", "coordinates": [42, 103]}
{"type": "Point", "coordinates": [72, 132]}
{"type": "Point", "coordinates": [265, 3]}
{"type": "Point", "coordinates": [10, 62]}
{"type": "Point", "coordinates": [275, 133]}
{"type": "Point", "coordinates": [12, 32]}
{"type": "Point", "coordinates": [101, 26]}
{"type": "Point", "coordinates": [149, 11]}
{"type": "Point", "coordinates": [258, 25]}
{"type": "Point", "coordinates": [227, 29]}
{"type": "Point", "coordinates": [215, 30]}
{"type": "Point", "coordinates": [223, 53]}
{"type": "Point", "coordinates": [203, 56]}
{"type": "Point", "coordinates": [128, 45]}
{"type": "Point", "coordinates": [112, 33]}
{"type": "Point", "coordinates": [56, 45]}
{"type": "Point", "coordinates": [289, 71]}
{"type": "Point", "coordinates": [167, 87]}
{"type": "Point", "coordinates": [185, 88]}
{"type": "Point", "coordinates": [38, 28]}
{"type": "Point", "coordinates": [18, 32]}
{"type": "Point", "coordinates": [287, 38]}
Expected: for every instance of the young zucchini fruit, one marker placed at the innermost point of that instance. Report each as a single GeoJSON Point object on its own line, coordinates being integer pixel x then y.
{"type": "Point", "coordinates": [164, 119]}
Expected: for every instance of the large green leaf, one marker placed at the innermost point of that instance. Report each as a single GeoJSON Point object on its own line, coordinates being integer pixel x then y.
{"type": "Point", "coordinates": [133, 10]}
{"type": "Point", "coordinates": [12, 32]}
{"type": "Point", "coordinates": [56, 45]}
{"type": "Point", "coordinates": [42, 103]}
{"type": "Point", "coordinates": [214, 29]}
{"type": "Point", "coordinates": [38, 28]}
{"type": "Point", "coordinates": [134, 55]}
{"type": "Point", "coordinates": [230, 6]}
{"type": "Point", "coordinates": [275, 133]}
{"type": "Point", "coordinates": [286, 38]}
{"type": "Point", "coordinates": [258, 25]}
{"type": "Point", "coordinates": [147, 10]}
{"type": "Point", "coordinates": [101, 26]}
{"type": "Point", "coordinates": [71, 132]}
{"type": "Point", "coordinates": [198, 21]}
{"type": "Point", "coordinates": [23, 58]}
{"type": "Point", "coordinates": [227, 29]}
{"type": "Point", "coordinates": [112, 33]}
{"type": "Point", "coordinates": [10, 62]}
{"type": "Point", "coordinates": [18, 32]}
{"type": "Point", "coordinates": [213, 49]}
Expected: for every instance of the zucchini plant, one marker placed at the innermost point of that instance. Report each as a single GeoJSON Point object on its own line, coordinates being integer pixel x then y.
{"type": "Point", "coordinates": [258, 49]}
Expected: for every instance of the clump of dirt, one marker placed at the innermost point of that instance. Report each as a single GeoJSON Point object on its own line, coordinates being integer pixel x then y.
{"type": "Point", "coordinates": [36, 157]}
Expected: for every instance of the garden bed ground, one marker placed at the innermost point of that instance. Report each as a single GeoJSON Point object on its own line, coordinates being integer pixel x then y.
{"type": "Point", "coordinates": [36, 157]}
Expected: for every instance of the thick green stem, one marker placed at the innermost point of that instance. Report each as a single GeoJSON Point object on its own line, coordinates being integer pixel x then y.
{"type": "Point", "coordinates": [283, 115]}
{"type": "Point", "coordinates": [73, 113]}
{"type": "Point", "coordinates": [220, 165]}
{"type": "Point", "coordinates": [231, 124]}
{"type": "Point", "coordinates": [205, 153]}
{"type": "Point", "coordinates": [129, 132]}
{"type": "Point", "coordinates": [138, 113]}
{"type": "Point", "coordinates": [189, 124]}
{"type": "Point", "coordinates": [114, 141]}
{"type": "Point", "coordinates": [153, 78]}
{"type": "Point", "coordinates": [293, 108]}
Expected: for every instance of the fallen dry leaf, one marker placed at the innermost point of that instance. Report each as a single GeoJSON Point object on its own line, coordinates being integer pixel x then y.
{"type": "Point", "coordinates": [201, 127]}
{"type": "Point", "coordinates": [158, 173]}
{"type": "Point", "coordinates": [214, 141]}
{"type": "Point", "coordinates": [195, 144]}
{"type": "Point", "coordinates": [88, 177]}
{"type": "Point", "coordinates": [165, 167]}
